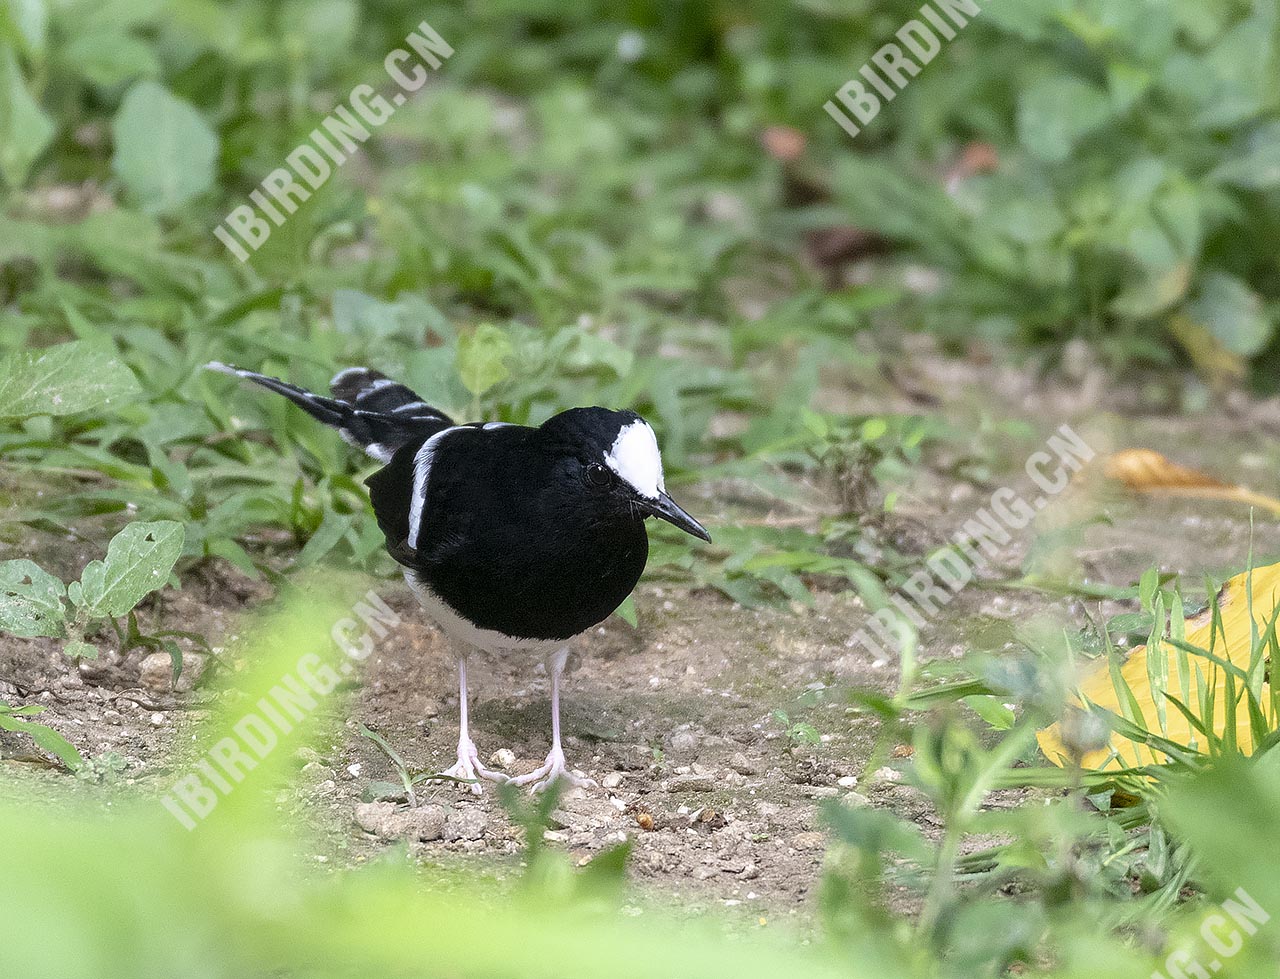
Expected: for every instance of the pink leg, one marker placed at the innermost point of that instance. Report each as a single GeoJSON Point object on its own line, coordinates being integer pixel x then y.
{"type": "Point", "coordinates": [555, 767]}
{"type": "Point", "coordinates": [468, 765]}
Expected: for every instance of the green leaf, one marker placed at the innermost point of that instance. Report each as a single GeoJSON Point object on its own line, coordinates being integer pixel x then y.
{"type": "Point", "coordinates": [25, 129]}
{"type": "Point", "coordinates": [1147, 586]}
{"type": "Point", "coordinates": [139, 560]}
{"type": "Point", "coordinates": [46, 737]}
{"type": "Point", "coordinates": [62, 380]}
{"type": "Point", "coordinates": [324, 27]}
{"type": "Point", "coordinates": [1127, 83]}
{"type": "Point", "coordinates": [79, 649]}
{"type": "Point", "coordinates": [1056, 112]}
{"type": "Point", "coordinates": [1030, 21]}
{"type": "Point", "coordinates": [627, 612]}
{"type": "Point", "coordinates": [333, 527]}
{"type": "Point", "coordinates": [227, 549]}
{"type": "Point", "coordinates": [165, 151]}
{"type": "Point", "coordinates": [482, 356]}
{"type": "Point", "coordinates": [377, 791]}
{"type": "Point", "coordinates": [25, 24]}
{"type": "Point", "coordinates": [1241, 796]}
{"type": "Point", "coordinates": [873, 429]}
{"type": "Point", "coordinates": [815, 424]}
{"type": "Point", "coordinates": [175, 661]}
{"type": "Point", "coordinates": [803, 733]}
{"type": "Point", "coordinates": [110, 60]}
{"type": "Point", "coordinates": [590, 352]}
{"type": "Point", "coordinates": [1233, 313]}
{"type": "Point", "coordinates": [605, 877]}
{"type": "Point", "coordinates": [991, 710]}
{"type": "Point", "coordinates": [874, 831]}
{"type": "Point", "coordinates": [30, 600]}
{"type": "Point", "coordinates": [30, 710]}
{"type": "Point", "coordinates": [1153, 290]}
{"type": "Point", "coordinates": [1258, 168]}
{"type": "Point", "coordinates": [359, 313]}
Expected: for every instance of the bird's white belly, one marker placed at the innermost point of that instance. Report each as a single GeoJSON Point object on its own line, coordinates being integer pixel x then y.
{"type": "Point", "coordinates": [459, 629]}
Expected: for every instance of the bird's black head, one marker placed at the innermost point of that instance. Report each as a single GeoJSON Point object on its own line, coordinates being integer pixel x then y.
{"type": "Point", "coordinates": [610, 462]}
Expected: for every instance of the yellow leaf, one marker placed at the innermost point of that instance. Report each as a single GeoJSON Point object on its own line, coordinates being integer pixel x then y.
{"type": "Point", "coordinates": [1147, 471]}
{"type": "Point", "coordinates": [1233, 643]}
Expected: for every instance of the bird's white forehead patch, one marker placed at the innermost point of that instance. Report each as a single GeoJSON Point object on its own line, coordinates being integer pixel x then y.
{"type": "Point", "coordinates": [635, 458]}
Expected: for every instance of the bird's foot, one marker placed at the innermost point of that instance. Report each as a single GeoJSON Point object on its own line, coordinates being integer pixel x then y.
{"type": "Point", "coordinates": [469, 768]}
{"type": "Point", "coordinates": [554, 769]}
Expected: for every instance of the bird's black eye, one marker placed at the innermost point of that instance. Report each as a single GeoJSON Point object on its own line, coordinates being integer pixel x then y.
{"type": "Point", "coordinates": [598, 476]}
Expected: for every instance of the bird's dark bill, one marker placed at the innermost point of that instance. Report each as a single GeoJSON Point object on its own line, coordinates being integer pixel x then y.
{"type": "Point", "coordinates": [670, 511]}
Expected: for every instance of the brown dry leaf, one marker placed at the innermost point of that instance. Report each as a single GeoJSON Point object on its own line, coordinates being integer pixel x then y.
{"type": "Point", "coordinates": [1147, 471]}
{"type": "Point", "coordinates": [1234, 643]}
{"type": "Point", "coordinates": [785, 143]}
{"type": "Point", "coordinates": [976, 158]}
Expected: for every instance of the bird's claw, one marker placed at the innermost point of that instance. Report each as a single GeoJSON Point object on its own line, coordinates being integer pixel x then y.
{"type": "Point", "coordinates": [553, 770]}
{"type": "Point", "coordinates": [468, 768]}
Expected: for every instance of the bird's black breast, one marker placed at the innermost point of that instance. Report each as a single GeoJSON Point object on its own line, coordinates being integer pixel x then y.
{"type": "Point", "coordinates": [505, 541]}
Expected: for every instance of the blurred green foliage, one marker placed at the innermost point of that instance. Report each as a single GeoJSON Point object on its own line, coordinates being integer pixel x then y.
{"type": "Point", "coordinates": [606, 160]}
{"type": "Point", "coordinates": [1085, 882]}
{"type": "Point", "coordinates": [1134, 189]}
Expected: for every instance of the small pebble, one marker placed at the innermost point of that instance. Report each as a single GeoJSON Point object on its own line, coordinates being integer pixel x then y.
{"type": "Point", "coordinates": [809, 841]}
{"type": "Point", "coordinates": [692, 783]}
{"type": "Point", "coordinates": [683, 742]}
{"type": "Point", "coordinates": [503, 758]}
{"type": "Point", "coordinates": [820, 791]}
{"type": "Point", "coordinates": [467, 823]}
{"type": "Point", "coordinates": [155, 672]}
{"type": "Point", "coordinates": [388, 821]}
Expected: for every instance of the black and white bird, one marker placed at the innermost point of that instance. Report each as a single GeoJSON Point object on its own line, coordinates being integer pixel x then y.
{"type": "Point", "coordinates": [514, 539]}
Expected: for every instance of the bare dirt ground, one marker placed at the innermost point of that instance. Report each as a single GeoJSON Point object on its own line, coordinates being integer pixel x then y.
{"type": "Point", "coordinates": [676, 719]}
